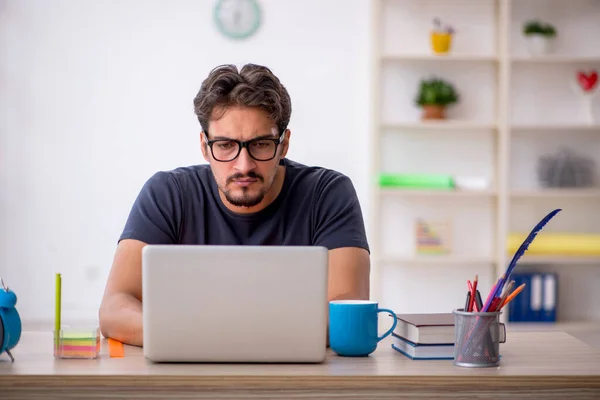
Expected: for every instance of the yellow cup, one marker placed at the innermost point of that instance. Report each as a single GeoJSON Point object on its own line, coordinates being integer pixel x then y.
{"type": "Point", "coordinates": [440, 42]}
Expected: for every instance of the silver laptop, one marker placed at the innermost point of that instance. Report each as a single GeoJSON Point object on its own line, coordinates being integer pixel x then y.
{"type": "Point", "coordinates": [234, 303]}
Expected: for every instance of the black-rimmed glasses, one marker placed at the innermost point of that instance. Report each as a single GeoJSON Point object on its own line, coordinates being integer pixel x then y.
{"type": "Point", "coordinates": [260, 149]}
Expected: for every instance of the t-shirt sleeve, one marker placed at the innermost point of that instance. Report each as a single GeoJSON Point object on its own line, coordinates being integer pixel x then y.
{"type": "Point", "coordinates": [156, 213]}
{"type": "Point", "coordinates": [339, 220]}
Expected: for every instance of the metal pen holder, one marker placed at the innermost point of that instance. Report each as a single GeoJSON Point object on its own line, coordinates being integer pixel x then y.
{"type": "Point", "coordinates": [477, 338]}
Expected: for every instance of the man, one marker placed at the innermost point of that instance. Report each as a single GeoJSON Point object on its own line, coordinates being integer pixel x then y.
{"type": "Point", "coordinates": [248, 194]}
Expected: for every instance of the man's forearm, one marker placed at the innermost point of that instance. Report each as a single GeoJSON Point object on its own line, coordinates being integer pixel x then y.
{"type": "Point", "coordinates": [121, 319]}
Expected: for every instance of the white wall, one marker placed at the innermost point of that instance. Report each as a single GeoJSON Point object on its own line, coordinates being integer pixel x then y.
{"type": "Point", "coordinates": [95, 96]}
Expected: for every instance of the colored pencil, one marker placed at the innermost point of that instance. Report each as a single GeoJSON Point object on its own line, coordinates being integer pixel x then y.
{"type": "Point", "coordinates": [473, 290]}
{"type": "Point", "coordinates": [513, 295]}
{"type": "Point", "coordinates": [504, 295]}
{"type": "Point", "coordinates": [57, 308]}
{"type": "Point", "coordinates": [491, 296]}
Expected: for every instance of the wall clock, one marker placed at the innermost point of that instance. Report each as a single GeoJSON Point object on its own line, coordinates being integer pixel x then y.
{"type": "Point", "coordinates": [237, 19]}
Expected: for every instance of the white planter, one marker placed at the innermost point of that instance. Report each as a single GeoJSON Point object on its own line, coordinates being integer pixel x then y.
{"type": "Point", "coordinates": [539, 45]}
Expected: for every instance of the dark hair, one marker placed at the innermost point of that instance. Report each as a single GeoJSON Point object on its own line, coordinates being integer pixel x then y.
{"type": "Point", "coordinates": [252, 86]}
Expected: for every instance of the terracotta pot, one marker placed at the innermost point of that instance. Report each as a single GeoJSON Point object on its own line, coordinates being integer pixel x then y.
{"type": "Point", "coordinates": [434, 112]}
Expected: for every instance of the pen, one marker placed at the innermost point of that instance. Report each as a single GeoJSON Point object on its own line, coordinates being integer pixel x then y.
{"type": "Point", "coordinates": [468, 301]}
{"type": "Point", "coordinates": [478, 302]}
{"type": "Point", "coordinates": [497, 289]}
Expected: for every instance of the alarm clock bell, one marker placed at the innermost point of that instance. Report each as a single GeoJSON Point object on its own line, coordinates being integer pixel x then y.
{"type": "Point", "coordinates": [10, 322]}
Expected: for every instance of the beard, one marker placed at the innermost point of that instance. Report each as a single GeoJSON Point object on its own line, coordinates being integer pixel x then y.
{"type": "Point", "coordinates": [248, 196]}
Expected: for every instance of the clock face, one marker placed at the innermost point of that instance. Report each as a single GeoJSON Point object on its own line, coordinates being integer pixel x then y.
{"type": "Point", "coordinates": [237, 19]}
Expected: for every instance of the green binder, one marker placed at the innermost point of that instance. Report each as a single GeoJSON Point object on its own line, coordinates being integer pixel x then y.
{"type": "Point", "coordinates": [420, 181]}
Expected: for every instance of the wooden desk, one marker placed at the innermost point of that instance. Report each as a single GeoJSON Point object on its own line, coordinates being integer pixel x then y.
{"type": "Point", "coordinates": [534, 365]}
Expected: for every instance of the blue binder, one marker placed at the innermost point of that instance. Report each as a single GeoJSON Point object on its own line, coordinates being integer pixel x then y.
{"type": "Point", "coordinates": [550, 298]}
{"type": "Point", "coordinates": [538, 300]}
{"type": "Point", "coordinates": [536, 296]}
{"type": "Point", "coordinates": [514, 307]}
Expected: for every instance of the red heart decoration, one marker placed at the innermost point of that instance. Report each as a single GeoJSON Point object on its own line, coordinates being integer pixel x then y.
{"type": "Point", "coordinates": [587, 82]}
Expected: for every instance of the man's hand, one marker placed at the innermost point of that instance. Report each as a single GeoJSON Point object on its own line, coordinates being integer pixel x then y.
{"type": "Point", "coordinates": [349, 269]}
{"type": "Point", "coordinates": [121, 309]}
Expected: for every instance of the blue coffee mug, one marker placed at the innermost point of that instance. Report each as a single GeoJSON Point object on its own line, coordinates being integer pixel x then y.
{"type": "Point", "coordinates": [353, 327]}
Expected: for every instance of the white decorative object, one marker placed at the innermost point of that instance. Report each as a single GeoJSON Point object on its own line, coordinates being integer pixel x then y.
{"type": "Point", "coordinates": [472, 183]}
{"type": "Point", "coordinates": [539, 45]}
{"type": "Point", "coordinates": [586, 85]}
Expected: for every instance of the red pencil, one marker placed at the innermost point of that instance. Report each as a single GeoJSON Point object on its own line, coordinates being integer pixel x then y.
{"type": "Point", "coordinates": [494, 304]}
{"type": "Point", "coordinates": [473, 290]}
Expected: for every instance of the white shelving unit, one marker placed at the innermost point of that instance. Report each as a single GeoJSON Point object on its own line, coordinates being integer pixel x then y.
{"type": "Point", "coordinates": [514, 107]}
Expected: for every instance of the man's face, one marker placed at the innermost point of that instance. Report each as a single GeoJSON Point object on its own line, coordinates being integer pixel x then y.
{"type": "Point", "coordinates": [244, 182]}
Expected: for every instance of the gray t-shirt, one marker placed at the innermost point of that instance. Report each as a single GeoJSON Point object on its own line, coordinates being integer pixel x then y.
{"type": "Point", "coordinates": [316, 207]}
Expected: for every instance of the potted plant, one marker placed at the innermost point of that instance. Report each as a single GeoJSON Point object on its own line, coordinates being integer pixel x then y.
{"type": "Point", "coordinates": [441, 37]}
{"type": "Point", "coordinates": [434, 95]}
{"type": "Point", "coordinates": [539, 35]}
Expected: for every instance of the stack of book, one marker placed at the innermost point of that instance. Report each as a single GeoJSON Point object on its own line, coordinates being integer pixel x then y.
{"type": "Point", "coordinates": [427, 336]}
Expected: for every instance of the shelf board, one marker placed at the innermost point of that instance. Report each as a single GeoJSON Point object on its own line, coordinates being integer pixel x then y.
{"type": "Point", "coordinates": [557, 59]}
{"type": "Point", "coordinates": [559, 260]}
{"type": "Point", "coordinates": [438, 125]}
{"type": "Point", "coordinates": [400, 192]}
{"type": "Point", "coordinates": [567, 326]}
{"type": "Point", "coordinates": [586, 193]}
{"type": "Point", "coordinates": [555, 127]}
{"type": "Point", "coordinates": [436, 260]}
{"type": "Point", "coordinates": [440, 57]}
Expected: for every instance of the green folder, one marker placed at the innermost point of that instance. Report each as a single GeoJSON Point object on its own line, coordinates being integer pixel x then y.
{"type": "Point", "coordinates": [420, 181]}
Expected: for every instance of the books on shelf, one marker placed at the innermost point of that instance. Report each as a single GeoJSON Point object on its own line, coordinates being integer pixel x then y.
{"type": "Point", "coordinates": [537, 302]}
{"type": "Point", "coordinates": [433, 237]}
{"type": "Point", "coordinates": [561, 244]}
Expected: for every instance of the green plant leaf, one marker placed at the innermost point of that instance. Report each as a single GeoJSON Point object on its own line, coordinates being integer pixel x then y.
{"type": "Point", "coordinates": [538, 27]}
{"type": "Point", "coordinates": [436, 91]}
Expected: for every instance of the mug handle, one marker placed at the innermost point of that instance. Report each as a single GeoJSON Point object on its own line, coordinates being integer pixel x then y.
{"type": "Point", "coordinates": [389, 331]}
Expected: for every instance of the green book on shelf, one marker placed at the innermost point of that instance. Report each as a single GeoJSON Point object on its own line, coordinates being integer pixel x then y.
{"type": "Point", "coordinates": [421, 181]}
